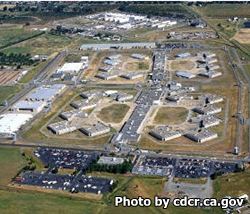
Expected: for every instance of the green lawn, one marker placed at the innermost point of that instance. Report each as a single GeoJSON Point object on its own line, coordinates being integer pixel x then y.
{"type": "Point", "coordinates": [11, 162]}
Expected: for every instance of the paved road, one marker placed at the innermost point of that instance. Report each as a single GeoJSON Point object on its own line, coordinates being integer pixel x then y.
{"type": "Point", "coordinates": [41, 76]}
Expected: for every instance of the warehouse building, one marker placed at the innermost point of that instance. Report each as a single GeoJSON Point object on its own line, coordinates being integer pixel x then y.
{"type": "Point", "coordinates": [46, 93]}
{"type": "Point", "coordinates": [96, 129]}
{"type": "Point", "coordinates": [165, 133]}
{"type": "Point", "coordinates": [10, 123]}
{"type": "Point", "coordinates": [29, 106]}
{"type": "Point", "coordinates": [106, 46]}
{"type": "Point", "coordinates": [110, 160]}
{"type": "Point", "coordinates": [201, 136]}
{"type": "Point", "coordinates": [62, 127]}
{"type": "Point", "coordinates": [70, 115]}
{"type": "Point", "coordinates": [185, 74]}
{"type": "Point", "coordinates": [72, 68]}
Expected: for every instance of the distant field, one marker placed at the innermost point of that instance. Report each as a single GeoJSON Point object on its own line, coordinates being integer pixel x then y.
{"type": "Point", "coordinates": [11, 35]}
{"type": "Point", "coordinates": [6, 92]}
{"type": "Point", "coordinates": [243, 36]}
{"type": "Point", "coordinates": [167, 115]}
{"type": "Point", "coordinates": [225, 10]}
{"type": "Point", "coordinates": [114, 113]}
{"type": "Point", "coordinates": [44, 44]}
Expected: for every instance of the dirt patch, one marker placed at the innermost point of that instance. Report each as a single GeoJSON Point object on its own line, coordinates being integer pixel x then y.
{"type": "Point", "coordinates": [243, 36]}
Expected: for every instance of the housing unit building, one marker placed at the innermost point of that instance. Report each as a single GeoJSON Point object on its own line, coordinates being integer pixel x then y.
{"type": "Point", "coordinates": [70, 115]}
{"type": "Point", "coordinates": [62, 127]}
{"type": "Point", "coordinates": [95, 129]}
{"type": "Point", "coordinates": [165, 133]}
{"type": "Point", "coordinates": [208, 109]}
{"type": "Point", "coordinates": [201, 136]}
{"type": "Point", "coordinates": [132, 75]}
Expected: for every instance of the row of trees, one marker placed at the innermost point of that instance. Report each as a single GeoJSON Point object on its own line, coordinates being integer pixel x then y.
{"type": "Point", "coordinates": [126, 166]}
{"type": "Point", "coordinates": [15, 59]}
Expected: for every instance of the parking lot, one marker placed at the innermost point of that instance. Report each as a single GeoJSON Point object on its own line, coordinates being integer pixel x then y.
{"type": "Point", "coordinates": [69, 159]}
{"type": "Point", "coordinates": [183, 167]}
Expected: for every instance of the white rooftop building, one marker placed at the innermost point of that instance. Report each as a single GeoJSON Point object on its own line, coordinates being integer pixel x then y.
{"type": "Point", "coordinates": [11, 123]}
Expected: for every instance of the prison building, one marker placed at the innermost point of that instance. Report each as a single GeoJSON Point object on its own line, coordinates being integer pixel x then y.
{"type": "Point", "coordinates": [62, 127]}
{"type": "Point", "coordinates": [165, 133]}
{"type": "Point", "coordinates": [121, 97]}
{"type": "Point", "coordinates": [83, 104]}
{"type": "Point", "coordinates": [209, 121]}
{"type": "Point", "coordinates": [110, 160]}
{"type": "Point", "coordinates": [45, 92]}
{"type": "Point", "coordinates": [213, 67]}
{"type": "Point", "coordinates": [208, 55]}
{"type": "Point", "coordinates": [185, 74]}
{"type": "Point", "coordinates": [95, 129]}
{"type": "Point", "coordinates": [212, 98]}
{"type": "Point", "coordinates": [210, 74]}
{"type": "Point", "coordinates": [106, 46]}
{"type": "Point", "coordinates": [106, 76]}
{"type": "Point", "coordinates": [208, 110]}
{"type": "Point", "coordinates": [29, 106]}
{"type": "Point", "coordinates": [179, 98]}
{"type": "Point", "coordinates": [91, 94]}
{"type": "Point", "coordinates": [132, 75]}
{"type": "Point", "coordinates": [107, 68]}
{"type": "Point", "coordinates": [70, 115]}
{"type": "Point", "coordinates": [211, 61]}
{"type": "Point", "coordinates": [115, 57]}
{"type": "Point", "coordinates": [111, 62]}
{"type": "Point", "coordinates": [183, 55]}
{"type": "Point", "coordinates": [201, 136]}
{"type": "Point", "coordinates": [138, 56]}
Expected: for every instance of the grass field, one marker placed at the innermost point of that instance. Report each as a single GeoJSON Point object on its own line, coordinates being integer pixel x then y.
{"type": "Point", "coordinates": [12, 35]}
{"type": "Point", "coordinates": [13, 200]}
{"type": "Point", "coordinates": [44, 44]}
{"type": "Point", "coordinates": [167, 115]}
{"type": "Point", "coordinates": [11, 162]}
{"type": "Point", "coordinates": [232, 184]}
{"type": "Point", "coordinates": [225, 10]}
{"type": "Point", "coordinates": [114, 113]}
{"type": "Point", "coordinates": [6, 92]}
